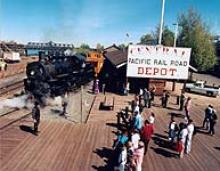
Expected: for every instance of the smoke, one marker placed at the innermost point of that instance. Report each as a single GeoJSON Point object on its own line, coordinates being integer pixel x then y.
{"type": "Point", "coordinates": [25, 101]}
{"type": "Point", "coordinates": [17, 102]}
{"type": "Point", "coordinates": [57, 101]}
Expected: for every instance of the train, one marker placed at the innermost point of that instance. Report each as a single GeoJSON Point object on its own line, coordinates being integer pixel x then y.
{"type": "Point", "coordinates": [53, 76]}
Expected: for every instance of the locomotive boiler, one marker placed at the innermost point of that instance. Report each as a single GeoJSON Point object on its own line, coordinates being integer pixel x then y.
{"type": "Point", "coordinates": [52, 76]}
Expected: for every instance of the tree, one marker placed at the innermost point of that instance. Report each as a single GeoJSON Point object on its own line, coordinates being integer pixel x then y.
{"type": "Point", "coordinates": [83, 49]}
{"type": "Point", "coordinates": [167, 37]}
{"type": "Point", "coordinates": [152, 39]}
{"type": "Point", "coordinates": [147, 39]}
{"type": "Point", "coordinates": [99, 47]}
{"type": "Point", "coordinates": [84, 46]}
{"type": "Point", "coordinates": [195, 34]}
{"type": "Point", "coordinates": [122, 46]}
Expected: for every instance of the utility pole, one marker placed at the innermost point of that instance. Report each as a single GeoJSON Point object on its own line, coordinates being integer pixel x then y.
{"type": "Point", "coordinates": [161, 23]}
{"type": "Point", "coordinates": [174, 45]}
{"type": "Point", "coordinates": [175, 35]}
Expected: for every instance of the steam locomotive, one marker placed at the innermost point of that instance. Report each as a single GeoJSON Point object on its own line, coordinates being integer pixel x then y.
{"type": "Point", "coordinates": [52, 76]}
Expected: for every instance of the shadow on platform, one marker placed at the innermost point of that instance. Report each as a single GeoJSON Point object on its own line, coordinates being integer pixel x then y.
{"type": "Point", "coordinates": [177, 115]}
{"type": "Point", "coordinates": [109, 158]}
{"type": "Point", "coordinates": [164, 152]}
{"type": "Point", "coordinates": [161, 141]}
{"type": "Point", "coordinates": [201, 130]}
{"type": "Point", "coordinates": [217, 148]}
{"type": "Point", "coordinates": [26, 128]}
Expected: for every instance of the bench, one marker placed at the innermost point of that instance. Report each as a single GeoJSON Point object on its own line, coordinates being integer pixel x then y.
{"type": "Point", "coordinates": [107, 104]}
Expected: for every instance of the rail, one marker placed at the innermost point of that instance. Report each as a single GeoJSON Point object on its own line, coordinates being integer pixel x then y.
{"type": "Point", "coordinates": [12, 87]}
{"type": "Point", "coordinates": [13, 120]}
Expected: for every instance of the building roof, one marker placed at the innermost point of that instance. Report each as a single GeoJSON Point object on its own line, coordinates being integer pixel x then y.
{"type": "Point", "coordinates": [112, 48]}
{"type": "Point", "coordinates": [117, 57]}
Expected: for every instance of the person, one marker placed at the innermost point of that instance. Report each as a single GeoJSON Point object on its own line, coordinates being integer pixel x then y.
{"type": "Point", "coordinates": [121, 139]}
{"type": "Point", "coordinates": [141, 92]}
{"type": "Point", "coordinates": [147, 98]}
{"type": "Point", "coordinates": [137, 121]}
{"type": "Point", "coordinates": [36, 117]}
{"type": "Point", "coordinates": [152, 92]}
{"type": "Point", "coordinates": [103, 88]}
{"type": "Point", "coordinates": [182, 134]}
{"type": "Point", "coordinates": [138, 156]}
{"type": "Point", "coordinates": [152, 118]}
{"type": "Point", "coordinates": [127, 88]}
{"type": "Point", "coordinates": [130, 151]}
{"type": "Point", "coordinates": [172, 130]}
{"type": "Point", "coordinates": [188, 107]}
{"type": "Point", "coordinates": [213, 121]}
{"type": "Point", "coordinates": [96, 86]}
{"type": "Point", "coordinates": [146, 134]}
{"type": "Point", "coordinates": [190, 129]}
{"type": "Point", "coordinates": [64, 105]}
{"type": "Point", "coordinates": [182, 100]}
{"type": "Point", "coordinates": [165, 98]}
{"type": "Point", "coordinates": [122, 159]}
{"type": "Point", "coordinates": [135, 138]}
{"type": "Point", "coordinates": [208, 114]}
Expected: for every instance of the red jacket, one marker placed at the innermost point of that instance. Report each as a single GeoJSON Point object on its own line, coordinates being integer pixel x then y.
{"type": "Point", "coordinates": [147, 132]}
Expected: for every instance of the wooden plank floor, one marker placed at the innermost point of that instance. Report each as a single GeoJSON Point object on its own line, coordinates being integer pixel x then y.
{"type": "Point", "coordinates": [62, 146]}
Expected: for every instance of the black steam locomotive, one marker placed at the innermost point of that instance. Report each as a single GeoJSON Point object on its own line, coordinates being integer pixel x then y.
{"type": "Point", "coordinates": [52, 76]}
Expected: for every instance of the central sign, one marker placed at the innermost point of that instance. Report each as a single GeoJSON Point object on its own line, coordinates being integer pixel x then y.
{"type": "Point", "coordinates": [158, 62]}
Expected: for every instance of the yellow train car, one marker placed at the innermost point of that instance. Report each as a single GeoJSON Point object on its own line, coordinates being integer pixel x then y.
{"type": "Point", "coordinates": [97, 59]}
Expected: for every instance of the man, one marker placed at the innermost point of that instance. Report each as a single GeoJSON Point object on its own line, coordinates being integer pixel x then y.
{"type": "Point", "coordinates": [190, 129]}
{"type": "Point", "coordinates": [147, 98]}
{"type": "Point", "coordinates": [213, 121]}
{"type": "Point", "coordinates": [153, 90]}
{"type": "Point", "coordinates": [208, 114]}
{"type": "Point", "coordinates": [188, 107]}
{"type": "Point", "coordinates": [182, 100]}
{"type": "Point", "coordinates": [64, 104]}
{"type": "Point", "coordinates": [137, 121]}
{"type": "Point", "coordinates": [146, 134]}
{"type": "Point", "coordinates": [36, 117]}
{"type": "Point", "coordinates": [164, 99]}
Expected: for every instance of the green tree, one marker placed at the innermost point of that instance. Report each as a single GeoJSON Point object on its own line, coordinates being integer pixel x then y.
{"type": "Point", "coordinates": [195, 34]}
{"type": "Point", "coordinates": [83, 49]}
{"type": "Point", "coordinates": [167, 37]}
{"type": "Point", "coordinates": [84, 46]}
{"type": "Point", "coordinates": [147, 39]}
{"type": "Point", "coordinates": [99, 47]}
{"type": "Point", "coordinates": [152, 39]}
{"type": "Point", "coordinates": [122, 46]}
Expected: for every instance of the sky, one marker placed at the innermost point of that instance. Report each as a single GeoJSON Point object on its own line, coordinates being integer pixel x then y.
{"type": "Point", "coordinates": [95, 21]}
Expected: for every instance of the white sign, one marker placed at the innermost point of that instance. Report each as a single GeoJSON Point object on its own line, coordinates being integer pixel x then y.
{"type": "Point", "coordinates": [158, 62]}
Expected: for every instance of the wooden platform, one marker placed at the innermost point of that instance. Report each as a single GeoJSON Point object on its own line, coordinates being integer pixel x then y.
{"type": "Point", "coordinates": [62, 146]}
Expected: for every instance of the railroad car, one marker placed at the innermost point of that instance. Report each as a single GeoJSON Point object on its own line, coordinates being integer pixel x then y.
{"type": "Point", "coordinates": [52, 76]}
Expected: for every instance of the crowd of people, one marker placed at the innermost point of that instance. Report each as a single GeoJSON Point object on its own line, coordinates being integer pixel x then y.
{"type": "Point", "coordinates": [131, 144]}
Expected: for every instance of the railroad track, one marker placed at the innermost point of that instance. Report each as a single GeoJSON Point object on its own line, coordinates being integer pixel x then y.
{"type": "Point", "coordinates": [11, 88]}
{"type": "Point", "coordinates": [12, 117]}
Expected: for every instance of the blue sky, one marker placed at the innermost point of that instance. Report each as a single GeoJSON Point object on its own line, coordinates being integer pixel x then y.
{"type": "Point", "coordinates": [94, 21]}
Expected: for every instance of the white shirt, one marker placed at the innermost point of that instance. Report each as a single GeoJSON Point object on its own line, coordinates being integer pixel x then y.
{"type": "Point", "coordinates": [135, 140]}
{"type": "Point", "coordinates": [190, 129]}
{"type": "Point", "coordinates": [137, 108]}
{"type": "Point", "coordinates": [151, 119]}
{"type": "Point", "coordinates": [172, 125]}
{"type": "Point", "coordinates": [183, 135]}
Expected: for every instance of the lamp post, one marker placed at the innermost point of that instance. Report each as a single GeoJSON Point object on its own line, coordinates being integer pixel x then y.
{"type": "Point", "coordinates": [161, 22]}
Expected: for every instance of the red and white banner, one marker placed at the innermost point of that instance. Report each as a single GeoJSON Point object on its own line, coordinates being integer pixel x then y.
{"type": "Point", "coordinates": [158, 62]}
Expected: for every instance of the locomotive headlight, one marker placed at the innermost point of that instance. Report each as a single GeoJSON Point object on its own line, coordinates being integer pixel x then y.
{"type": "Point", "coordinates": [32, 72]}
